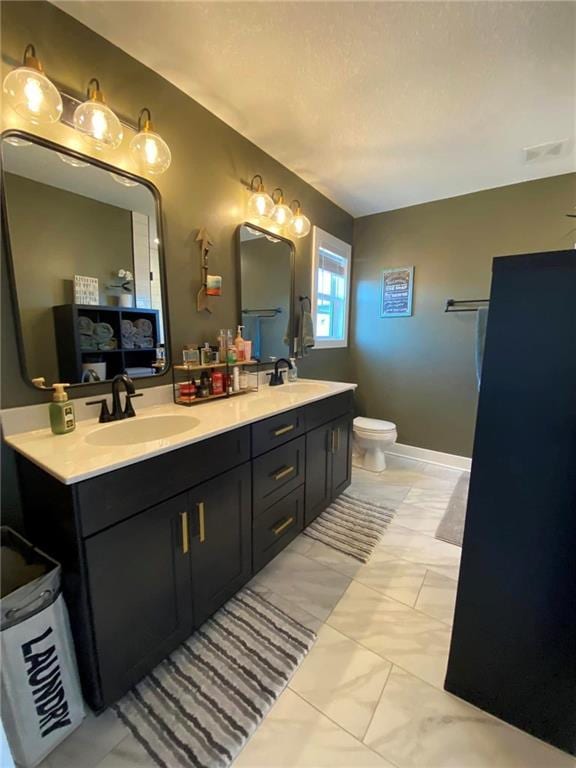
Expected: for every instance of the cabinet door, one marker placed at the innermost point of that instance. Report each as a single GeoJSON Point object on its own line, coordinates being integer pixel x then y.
{"type": "Point", "coordinates": [140, 593]}
{"type": "Point", "coordinates": [221, 546]}
{"type": "Point", "coordinates": [318, 471]}
{"type": "Point", "coordinates": [341, 455]}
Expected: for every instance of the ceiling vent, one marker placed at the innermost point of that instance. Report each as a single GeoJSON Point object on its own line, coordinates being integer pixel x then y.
{"type": "Point", "coordinates": [549, 151]}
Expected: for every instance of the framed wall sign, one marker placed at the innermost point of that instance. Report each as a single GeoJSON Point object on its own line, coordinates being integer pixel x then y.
{"type": "Point", "coordinates": [396, 298]}
{"type": "Point", "coordinates": [86, 290]}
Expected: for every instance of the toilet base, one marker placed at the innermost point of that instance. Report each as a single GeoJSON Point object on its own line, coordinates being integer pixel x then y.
{"type": "Point", "coordinates": [373, 460]}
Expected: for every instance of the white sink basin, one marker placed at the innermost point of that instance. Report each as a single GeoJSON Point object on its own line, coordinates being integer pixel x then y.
{"type": "Point", "coordinates": [141, 429]}
{"type": "Point", "coordinates": [301, 388]}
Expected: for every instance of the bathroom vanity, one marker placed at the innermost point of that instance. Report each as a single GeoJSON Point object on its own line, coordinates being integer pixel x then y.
{"type": "Point", "coordinates": [152, 548]}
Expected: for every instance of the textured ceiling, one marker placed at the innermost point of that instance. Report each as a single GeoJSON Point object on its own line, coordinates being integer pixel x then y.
{"type": "Point", "coordinates": [378, 105]}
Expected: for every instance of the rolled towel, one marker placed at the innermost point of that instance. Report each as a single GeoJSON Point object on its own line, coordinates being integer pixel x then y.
{"type": "Point", "coordinates": [107, 346]}
{"type": "Point", "coordinates": [128, 342]}
{"type": "Point", "coordinates": [147, 342]}
{"type": "Point", "coordinates": [138, 336]}
{"type": "Point", "coordinates": [103, 331]}
{"type": "Point", "coordinates": [85, 325]}
{"type": "Point", "coordinates": [88, 343]}
{"type": "Point", "coordinates": [144, 325]}
{"type": "Point", "coordinates": [127, 328]}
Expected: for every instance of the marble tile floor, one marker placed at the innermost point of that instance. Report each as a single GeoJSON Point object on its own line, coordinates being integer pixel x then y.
{"type": "Point", "coordinates": [370, 691]}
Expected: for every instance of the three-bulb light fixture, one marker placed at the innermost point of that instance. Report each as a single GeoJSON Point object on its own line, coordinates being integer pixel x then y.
{"type": "Point", "coordinates": [271, 210]}
{"type": "Point", "coordinates": [35, 98]}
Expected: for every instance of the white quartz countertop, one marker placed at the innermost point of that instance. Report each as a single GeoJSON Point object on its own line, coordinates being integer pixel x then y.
{"type": "Point", "coordinates": [79, 455]}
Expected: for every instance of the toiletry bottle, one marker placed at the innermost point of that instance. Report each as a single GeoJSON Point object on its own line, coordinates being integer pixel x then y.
{"type": "Point", "coordinates": [230, 348]}
{"type": "Point", "coordinates": [217, 383]}
{"type": "Point", "coordinates": [62, 419]}
{"type": "Point", "coordinates": [247, 349]}
{"type": "Point", "coordinates": [205, 384]}
{"type": "Point", "coordinates": [236, 379]}
{"type": "Point", "coordinates": [243, 379]}
{"type": "Point", "coordinates": [293, 372]}
{"type": "Point", "coordinates": [222, 345]}
{"type": "Point", "coordinates": [206, 354]}
{"type": "Point", "coordinates": [239, 344]}
{"type": "Point", "coordinates": [229, 384]}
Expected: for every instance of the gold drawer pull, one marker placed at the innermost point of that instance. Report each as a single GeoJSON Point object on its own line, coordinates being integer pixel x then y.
{"type": "Point", "coordinates": [185, 538]}
{"type": "Point", "coordinates": [283, 430]}
{"type": "Point", "coordinates": [201, 521]}
{"type": "Point", "coordinates": [282, 527]}
{"type": "Point", "coordinates": [283, 473]}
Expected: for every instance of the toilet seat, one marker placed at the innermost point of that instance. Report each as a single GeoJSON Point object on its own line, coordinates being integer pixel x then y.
{"type": "Point", "coordinates": [363, 425]}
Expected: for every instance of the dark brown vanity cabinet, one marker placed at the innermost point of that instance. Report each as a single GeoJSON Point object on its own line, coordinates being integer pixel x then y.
{"type": "Point", "coordinates": [138, 575]}
{"type": "Point", "coordinates": [152, 550]}
{"type": "Point", "coordinates": [328, 464]}
{"type": "Point", "coordinates": [220, 540]}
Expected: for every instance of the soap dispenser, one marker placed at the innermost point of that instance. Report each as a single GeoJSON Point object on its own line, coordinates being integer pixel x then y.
{"type": "Point", "coordinates": [239, 344]}
{"type": "Point", "coordinates": [62, 419]}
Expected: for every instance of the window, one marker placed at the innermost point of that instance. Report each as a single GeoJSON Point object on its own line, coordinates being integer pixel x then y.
{"type": "Point", "coordinates": [330, 289]}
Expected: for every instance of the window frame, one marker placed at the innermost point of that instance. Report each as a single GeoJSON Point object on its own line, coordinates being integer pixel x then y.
{"type": "Point", "coordinates": [324, 240]}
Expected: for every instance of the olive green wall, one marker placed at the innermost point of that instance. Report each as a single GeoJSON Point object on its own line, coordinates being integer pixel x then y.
{"type": "Point", "coordinates": [203, 187]}
{"type": "Point", "coordinates": [72, 235]}
{"type": "Point", "coordinates": [419, 371]}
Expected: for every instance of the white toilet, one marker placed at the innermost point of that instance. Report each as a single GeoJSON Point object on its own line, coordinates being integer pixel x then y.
{"type": "Point", "coordinates": [372, 437]}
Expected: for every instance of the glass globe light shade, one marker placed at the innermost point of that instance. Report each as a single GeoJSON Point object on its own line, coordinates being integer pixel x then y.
{"type": "Point", "coordinates": [281, 215]}
{"type": "Point", "coordinates": [73, 161]}
{"type": "Point", "coordinates": [96, 122]}
{"type": "Point", "coordinates": [124, 180]}
{"type": "Point", "coordinates": [300, 225]}
{"type": "Point", "coordinates": [29, 92]}
{"type": "Point", "coordinates": [260, 204]}
{"type": "Point", "coordinates": [150, 152]}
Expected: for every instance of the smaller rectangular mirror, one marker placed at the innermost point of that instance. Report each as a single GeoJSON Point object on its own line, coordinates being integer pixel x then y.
{"type": "Point", "coordinates": [84, 245]}
{"type": "Point", "coordinates": [266, 292]}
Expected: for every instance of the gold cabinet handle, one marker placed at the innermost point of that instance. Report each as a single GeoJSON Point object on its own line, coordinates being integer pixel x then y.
{"type": "Point", "coordinates": [282, 527]}
{"type": "Point", "coordinates": [185, 537]}
{"type": "Point", "coordinates": [283, 430]}
{"type": "Point", "coordinates": [201, 521]}
{"type": "Point", "coordinates": [283, 473]}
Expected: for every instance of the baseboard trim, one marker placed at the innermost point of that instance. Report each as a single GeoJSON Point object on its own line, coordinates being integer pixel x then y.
{"type": "Point", "coordinates": [450, 460]}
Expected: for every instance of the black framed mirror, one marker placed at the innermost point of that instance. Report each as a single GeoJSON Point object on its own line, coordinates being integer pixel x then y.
{"type": "Point", "coordinates": [266, 263]}
{"type": "Point", "coordinates": [85, 254]}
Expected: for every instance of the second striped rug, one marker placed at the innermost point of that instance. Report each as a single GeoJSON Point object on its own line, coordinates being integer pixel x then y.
{"type": "Point", "coordinates": [198, 708]}
{"type": "Point", "coordinates": [351, 525]}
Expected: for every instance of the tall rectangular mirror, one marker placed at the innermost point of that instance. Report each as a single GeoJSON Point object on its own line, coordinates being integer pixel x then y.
{"type": "Point", "coordinates": [84, 246]}
{"type": "Point", "coordinates": [266, 292]}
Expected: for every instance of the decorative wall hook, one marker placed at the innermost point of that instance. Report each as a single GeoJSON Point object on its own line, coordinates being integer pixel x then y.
{"type": "Point", "coordinates": [206, 244]}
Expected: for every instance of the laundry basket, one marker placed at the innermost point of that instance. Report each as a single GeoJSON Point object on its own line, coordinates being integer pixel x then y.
{"type": "Point", "coordinates": [41, 699]}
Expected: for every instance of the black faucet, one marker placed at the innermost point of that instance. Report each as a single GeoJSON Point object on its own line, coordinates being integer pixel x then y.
{"type": "Point", "coordinates": [276, 377]}
{"type": "Point", "coordinates": [117, 412]}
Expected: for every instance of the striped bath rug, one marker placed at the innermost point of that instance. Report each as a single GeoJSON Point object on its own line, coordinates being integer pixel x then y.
{"type": "Point", "coordinates": [351, 525]}
{"type": "Point", "coordinates": [199, 706]}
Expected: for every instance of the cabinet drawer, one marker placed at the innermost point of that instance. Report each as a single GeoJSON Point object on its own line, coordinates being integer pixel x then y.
{"type": "Point", "coordinates": [115, 496]}
{"type": "Point", "coordinates": [328, 409]}
{"type": "Point", "coordinates": [277, 430]}
{"type": "Point", "coordinates": [277, 526]}
{"type": "Point", "coordinates": [278, 472]}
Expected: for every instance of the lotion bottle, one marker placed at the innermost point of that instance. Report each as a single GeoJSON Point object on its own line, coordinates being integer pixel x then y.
{"type": "Point", "coordinates": [62, 418]}
{"type": "Point", "coordinates": [239, 344]}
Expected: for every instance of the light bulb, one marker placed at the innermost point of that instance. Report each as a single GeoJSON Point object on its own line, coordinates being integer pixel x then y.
{"type": "Point", "coordinates": [29, 92]}
{"type": "Point", "coordinates": [281, 214]}
{"type": "Point", "coordinates": [260, 204]}
{"type": "Point", "coordinates": [148, 148]}
{"type": "Point", "coordinates": [300, 225]}
{"type": "Point", "coordinates": [96, 122]}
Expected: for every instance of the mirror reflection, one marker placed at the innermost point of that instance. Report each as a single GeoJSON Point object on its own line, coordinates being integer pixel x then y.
{"type": "Point", "coordinates": [266, 292]}
{"type": "Point", "coordinates": [86, 264]}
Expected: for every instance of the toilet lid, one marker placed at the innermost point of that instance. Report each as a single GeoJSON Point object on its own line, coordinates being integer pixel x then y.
{"type": "Point", "coordinates": [373, 425]}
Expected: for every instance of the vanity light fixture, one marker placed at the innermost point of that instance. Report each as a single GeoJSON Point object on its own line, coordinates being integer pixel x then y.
{"type": "Point", "coordinates": [300, 224]}
{"type": "Point", "coordinates": [260, 204]}
{"type": "Point", "coordinates": [148, 148]}
{"type": "Point", "coordinates": [29, 92]}
{"type": "Point", "coordinates": [96, 122]}
{"type": "Point", "coordinates": [124, 180]}
{"type": "Point", "coordinates": [73, 161]}
{"type": "Point", "coordinates": [281, 213]}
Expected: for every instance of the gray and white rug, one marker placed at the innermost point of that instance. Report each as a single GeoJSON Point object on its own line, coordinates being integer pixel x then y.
{"type": "Point", "coordinates": [199, 706]}
{"type": "Point", "coordinates": [451, 528]}
{"type": "Point", "coordinates": [351, 525]}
